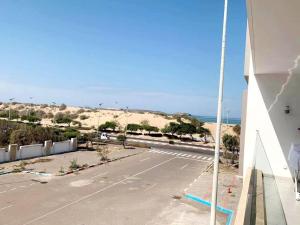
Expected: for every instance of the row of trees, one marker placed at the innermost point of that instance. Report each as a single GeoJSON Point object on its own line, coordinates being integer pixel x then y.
{"type": "Point", "coordinates": [24, 134]}
{"type": "Point", "coordinates": [173, 128]}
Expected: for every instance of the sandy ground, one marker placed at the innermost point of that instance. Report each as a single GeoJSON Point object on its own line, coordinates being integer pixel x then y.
{"type": "Point", "coordinates": [96, 117]}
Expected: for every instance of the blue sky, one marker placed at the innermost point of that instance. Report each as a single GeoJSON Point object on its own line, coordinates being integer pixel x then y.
{"type": "Point", "coordinates": [150, 54]}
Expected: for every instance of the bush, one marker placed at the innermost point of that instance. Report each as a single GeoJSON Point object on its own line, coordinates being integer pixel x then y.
{"type": "Point", "coordinates": [171, 142]}
{"type": "Point", "coordinates": [62, 107]}
{"type": "Point", "coordinates": [43, 106]}
{"type": "Point", "coordinates": [80, 111]}
{"type": "Point", "coordinates": [49, 115]}
{"type": "Point", "coordinates": [83, 117]}
{"type": "Point", "coordinates": [237, 129]}
{"type": "Point", "coordinates": [62, 118]}
{"type": "Point", "coordinates": [4, 114]}
{"type": "Point", "coordinates": [74, 165]}
{"type": "Point", "coordinates": [71, 133]}
{"type": "Point", "coordinates": [77, 123]}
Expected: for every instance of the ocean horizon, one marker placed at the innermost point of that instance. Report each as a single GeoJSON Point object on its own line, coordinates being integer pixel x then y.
{"type": "Point", "coordinates": [213, 119]}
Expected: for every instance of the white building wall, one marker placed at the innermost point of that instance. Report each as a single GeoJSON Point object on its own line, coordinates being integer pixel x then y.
{"type": "Point", "coordinates": [277, 129]}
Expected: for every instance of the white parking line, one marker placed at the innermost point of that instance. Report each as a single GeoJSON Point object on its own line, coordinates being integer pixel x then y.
{"type": "Point", "coordinates": [6, 207]}
{"type": "Point", "coordinates": [204, 158]}
{"type": "Point", "coordinates": [184, 166]}
{"type": "Point", "coordinates": [142, 160]}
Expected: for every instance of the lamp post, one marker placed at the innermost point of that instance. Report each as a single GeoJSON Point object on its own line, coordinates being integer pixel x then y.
{"type": "Point", "coordinates": [98, 131]}
{"type": "Point", "coordinates": [54, 103]}
{"type": "Point", "coordinates": [126, 121]}
{"type": "Point", "coordinates": [219, 115]}
{"type": "Point", "coordinates": [9, 111]}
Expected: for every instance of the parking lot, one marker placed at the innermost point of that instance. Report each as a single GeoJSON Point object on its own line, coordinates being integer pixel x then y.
{"type": "Point", "coordinates": [138, 189]}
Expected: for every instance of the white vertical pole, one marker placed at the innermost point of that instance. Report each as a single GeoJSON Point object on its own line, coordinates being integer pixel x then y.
{"type": "Point", "coordinates": [219, 117]}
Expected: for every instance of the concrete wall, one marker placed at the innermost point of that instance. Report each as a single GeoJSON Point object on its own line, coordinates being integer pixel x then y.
{"type": "Point", "coordinates": [61, 147]}
{"type": "Point", "coordinates": [30, 151]}
{"type": "Point", "coordinates": [4, 155]}
{"type": "Point", "coordinates": [13, 152]}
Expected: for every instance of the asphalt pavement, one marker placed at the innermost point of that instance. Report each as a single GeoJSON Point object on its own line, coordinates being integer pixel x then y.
{"type": "Point", "coordinates": [132, 191]}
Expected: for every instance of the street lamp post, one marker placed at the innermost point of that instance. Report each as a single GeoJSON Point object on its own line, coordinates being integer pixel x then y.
{"type": "Point", "coordinates": [126, 121]}
{"type": "Point", "coordinates": [54, 103]}
{"type": "Point", "coordinates": [218, 131]}
{"type": "Point", "coordinates": [9, 111]}
{"type": "Point", "coordinates": [98, 131]}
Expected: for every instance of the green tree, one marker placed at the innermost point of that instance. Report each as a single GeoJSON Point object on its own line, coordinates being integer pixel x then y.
{"type": "Point", "coordinates": [134, 127]}
{"type": "Point", "coordinates": [231, 143]}
{"type": "Point", "coordinates": [108, 125]}
{"type": "Point", "coordinates": [171, 128]}
{"type": "Point", "coordinates": [122, 138]}
{"type": "Point", "coordinates": [150, 129]}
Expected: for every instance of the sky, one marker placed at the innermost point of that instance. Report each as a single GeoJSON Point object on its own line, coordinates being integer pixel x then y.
{"type": "Point", "coordinates": [144, 54]}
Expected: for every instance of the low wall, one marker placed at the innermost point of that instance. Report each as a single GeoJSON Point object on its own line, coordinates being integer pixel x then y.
{"type": "Point", "coordinates": [37, 150]}
{"type": "Point", "coordinates": [30, 151]}
{"type": "Point", "coordinates": [61, 147]}
{"type": "Point", "coordinates": [4, 155]}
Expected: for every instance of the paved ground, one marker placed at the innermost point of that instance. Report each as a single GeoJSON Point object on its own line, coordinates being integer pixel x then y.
{"type": "Point", "coordinates": [143, 189]}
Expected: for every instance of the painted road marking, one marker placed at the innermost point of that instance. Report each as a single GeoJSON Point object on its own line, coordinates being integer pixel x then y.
{"type": "Point", "coordinates": [96, 192]}
{"type": "Point", "coordinates": [142, 160]}
{"type": "Point", "coordinates": [184, 166]}
{"type": "Point", "coordinates": [6, 207]}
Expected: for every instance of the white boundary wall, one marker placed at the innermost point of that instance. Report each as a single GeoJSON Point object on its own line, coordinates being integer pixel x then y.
{"type": "Point", "coordinates": [4, 155]}
{"type": "Point", "coordinates": [30, 151]}
{"type": "Point", "coordinates": [61, 147]}
{"type": "Point", "coordinates": [38, 150]}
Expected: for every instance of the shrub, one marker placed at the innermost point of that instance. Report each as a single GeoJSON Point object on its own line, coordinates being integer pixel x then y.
{"type": "Point", "coordinates": [62, 118]}
{"type": "Point", "coordinates": [49, 115]}
{"type": "Point", "coordinates": [237, 129]}
{"type": "Point", "coordinates": [77, 123]}
{"type": "Point", "coordinates": [83, 117]}
{"type": "Point", "coordinates": [80, 111]}
{"type": "Point", "coordinates": [4, 114]}
{"type": "Point", "coordinates": [74, 165]}
{"type": "Point", "coordinates": [103, 152]}
{"type": "Point", "coordinates": [71, 133]}
{"type": "Point", "coordinates": [43, 106]}
{"type": "Point", "coordinates": [62, 107]}
{"type": "Point", "coordinates": [171, 142]}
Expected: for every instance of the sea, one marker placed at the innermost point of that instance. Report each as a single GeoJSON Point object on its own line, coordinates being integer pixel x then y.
{"type": "Point", "coordinates": [213, 119]}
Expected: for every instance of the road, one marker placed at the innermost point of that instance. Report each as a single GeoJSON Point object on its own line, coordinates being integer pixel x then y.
{"type": "Point", "coordinates": [131, 191]}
